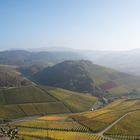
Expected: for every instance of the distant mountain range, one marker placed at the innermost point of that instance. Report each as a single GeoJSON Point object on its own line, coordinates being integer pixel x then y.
{"type": "Point", "coordinates": [52, 49]}
{"type": "Point", "coordinates": [125, 61]}
{"type": "Point", "coordinates": [26, 58]}
{"type": "Point", "coordinates": [73, 70]}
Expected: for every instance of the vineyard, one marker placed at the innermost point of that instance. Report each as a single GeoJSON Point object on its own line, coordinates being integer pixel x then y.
{"type": "Point", "coordinates": [35, 100]}
{"type": "Point", "coordinates": [54, 125]}
{"type": "Point", "coordinates": [87, 125]}
{"type": "Point", "coordinates": [131, 123]}
{"type": "Point", "coordinates": [59, 135]}
{"type": "Point", "coordinates": [74, 101]}
{"type": "Point", "coordinates": [100, 119]}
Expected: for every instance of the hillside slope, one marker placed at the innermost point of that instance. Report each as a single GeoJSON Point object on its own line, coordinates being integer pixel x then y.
{"type": "Point", "coordinates": [31, 100]}
{"type": "Point", "coordinates": [69, 74]}
{"type": "Point", "coordinates": [26, 58]}
{"type": "Point", "coordinates": [90, 125]}
{"type": "Point", "coordinates": [11, 77]}
{"type": "Point", "coordinates": [85, 76]}
{"type": "Point", "coordinates": [125, 61]}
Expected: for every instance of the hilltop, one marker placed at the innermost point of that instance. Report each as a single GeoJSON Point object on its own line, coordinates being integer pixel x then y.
{"type": "Point", "coordinates": [84, 76]}
{"type": "Point", "coordinates": [125, 61]}
{"type": "Point", "coordinates": [71, 75]}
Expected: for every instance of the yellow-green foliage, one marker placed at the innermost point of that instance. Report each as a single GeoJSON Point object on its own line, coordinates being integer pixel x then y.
{"type": "Point", "coordinates": [34, 100]}
{"type": "Point", "coordinates": [59, 135]}
{"type": "Point", "coordinates": [31, 138]}
{"type": "Point", "coordinates": [10, 111]}
{"type": "Point", "coordinates": [100, 119]}
{"type": "Point", "coordinates": [23, 95]}
{"type": "Point", "coordinates": [74, 126]}
{"type": "Point", "coordinates": [124, 82]}
{"type": "Point", "coordinates": [76, 102]}
{"type": "Point", "coordinates": [130, 125]}
{"type": "Point", "coordinates": [54, 117]}
{"type": "Point", "coordinates": [60, 94]}
{"type": "Point", "coordinates": [58, 125]}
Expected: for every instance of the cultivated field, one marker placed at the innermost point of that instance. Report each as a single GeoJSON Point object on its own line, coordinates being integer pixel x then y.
{"type": "Point", "coordinates": [35, 100]}
{"type": "Point", "coordinates": [127, 127]}
{"type": "Point", "coordinates": [88, 125]}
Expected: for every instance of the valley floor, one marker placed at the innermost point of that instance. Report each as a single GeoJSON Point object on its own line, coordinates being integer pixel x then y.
{"type": "Point", "coordinates": [100, 124]}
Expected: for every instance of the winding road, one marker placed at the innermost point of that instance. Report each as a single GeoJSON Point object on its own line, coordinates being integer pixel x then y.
{"type": "Point", "coordinates": [114, 123]}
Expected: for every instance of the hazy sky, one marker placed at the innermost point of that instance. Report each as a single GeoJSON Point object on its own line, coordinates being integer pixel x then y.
{"type": "Point", "coordinates": [86, 24]}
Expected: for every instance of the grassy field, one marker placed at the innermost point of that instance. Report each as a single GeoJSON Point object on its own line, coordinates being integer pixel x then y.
{"type": "Point", "coordinates": [34, 100]}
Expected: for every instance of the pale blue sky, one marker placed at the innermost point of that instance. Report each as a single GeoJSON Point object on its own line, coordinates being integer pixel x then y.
{"type": "Point", "coordinates": [85, 24]}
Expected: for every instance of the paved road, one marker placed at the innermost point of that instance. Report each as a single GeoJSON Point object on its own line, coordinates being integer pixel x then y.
{"type": "Point", "coordinates": [99, 133]}
{"type": "Point", "coordinates": [114, 123]}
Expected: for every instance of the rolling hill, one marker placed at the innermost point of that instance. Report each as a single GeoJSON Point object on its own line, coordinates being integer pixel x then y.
{"type": "Point", "coordinates": [35, 100]}
{"type": "Point", "coordinates": [125, 61]}
{"type": "Point", "coordinates": [27, 58]}
{"type": "Point", "coordinates": [84, 76]}
{"type": "Point", "coordinates": [11, 77]}
{"type": "Point", "coordinates": [69, 74]}
{"type": "Point", "coordinates": [91, 125]}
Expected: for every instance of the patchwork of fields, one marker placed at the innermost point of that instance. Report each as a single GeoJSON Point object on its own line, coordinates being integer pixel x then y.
{"type": "Point", "coordinates": [87, 125]}
{"type": "Point", "coordinates": [31, 100]}
{"type": "Point", "coordinates": [64, 115]}
{"type": "Point", "coordinates": [131, 123]}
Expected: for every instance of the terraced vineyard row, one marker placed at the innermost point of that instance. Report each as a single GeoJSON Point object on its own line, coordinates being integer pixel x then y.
{"type": "Point", "coordinates": [59, 135]}
{"type": "Point", "coordinates": [127, 126]}
{"type": "Point", "coordinates": [100, 119]}
{"type": "Point", "coordinates": [22, 110]}
{"type": "Point", "coordinates": [123, 137]}
{"type": "Point", "coordinates": [35, 100]}
{"type": "Point", "coordinates": [53, 125]}
{"type": "Point", "coordinates": [88, 125]}
{"type": "Point", "coordinates": [75, 102]}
